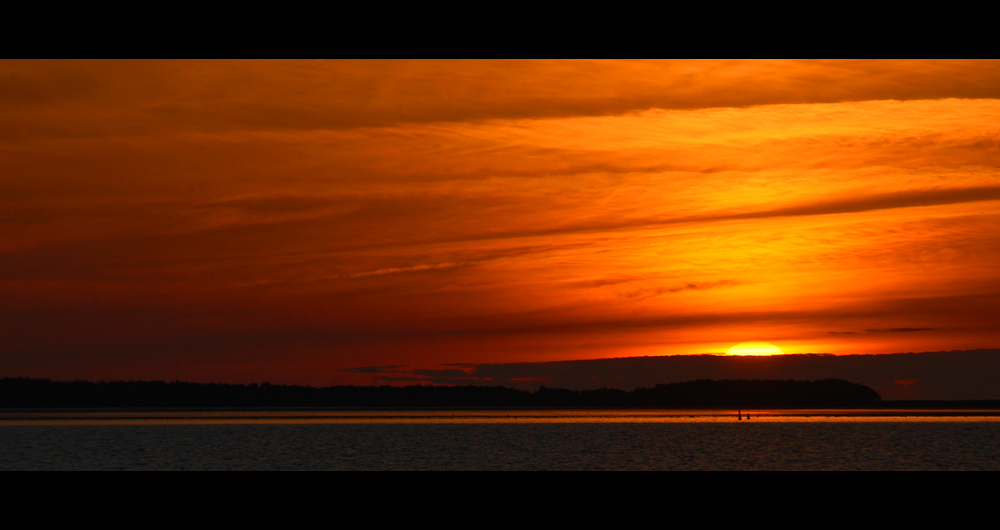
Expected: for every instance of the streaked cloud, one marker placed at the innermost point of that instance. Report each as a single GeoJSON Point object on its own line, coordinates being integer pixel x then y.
{"type": "Point", "coordinates": [302, 217]}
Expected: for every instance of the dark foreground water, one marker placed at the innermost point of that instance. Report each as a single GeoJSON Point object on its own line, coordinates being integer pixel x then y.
{"type": "Point", "coordinates": [514, 440]}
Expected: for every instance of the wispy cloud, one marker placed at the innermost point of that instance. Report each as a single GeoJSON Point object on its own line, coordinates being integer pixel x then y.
{"type": "Point", "coordinates": [396, 270]}
{"type": "Point", "coordinates": [885, 330]}
{"type": "Point", "coordinates": [898, 330]}
{"type": "Point", "coordinates": [104, 97]}
{"type": "Point", "coordinates": [391, 368]}
{"type": "Point", "coordinates": [689, 286]}
{"type": "Point", "coordinates": [308, 217]}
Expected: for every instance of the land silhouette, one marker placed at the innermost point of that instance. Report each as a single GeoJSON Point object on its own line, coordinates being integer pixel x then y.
{"type": "Point", "coordinates": [929, 376]}
{"type": "Point", "coordinates": [18, 393]}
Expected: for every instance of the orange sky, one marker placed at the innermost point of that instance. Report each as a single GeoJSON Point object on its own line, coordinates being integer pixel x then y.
{"type": "Point", "coordinates": [250, 221]}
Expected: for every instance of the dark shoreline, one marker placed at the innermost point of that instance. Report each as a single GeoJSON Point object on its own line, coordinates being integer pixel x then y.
{"type": "Point", "coordinates": [41, 416]}
{"type": "Point", "coordinates": [22, 394]}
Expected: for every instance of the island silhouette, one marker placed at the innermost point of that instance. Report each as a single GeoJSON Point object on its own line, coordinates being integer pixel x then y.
{"type": "Point", "coordinates": [17, 393]}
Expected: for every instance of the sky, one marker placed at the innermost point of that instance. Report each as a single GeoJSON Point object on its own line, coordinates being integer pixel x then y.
{"type": "Point", "coordinates": [324, 222]}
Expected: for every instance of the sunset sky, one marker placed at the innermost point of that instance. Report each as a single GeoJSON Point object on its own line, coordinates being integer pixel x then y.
{"type": "Point", "coordinates": [322, 222]}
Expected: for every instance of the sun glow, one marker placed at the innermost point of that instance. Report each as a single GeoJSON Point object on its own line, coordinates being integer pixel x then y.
{"type": "Point", "coordinates": [754, 348]}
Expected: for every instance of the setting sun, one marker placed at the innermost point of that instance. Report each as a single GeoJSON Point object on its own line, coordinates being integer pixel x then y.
{"type": "Point", "coordinates": [754, 348]}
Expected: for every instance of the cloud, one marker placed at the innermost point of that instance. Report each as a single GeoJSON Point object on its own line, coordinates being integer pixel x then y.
{"type": "Point", "coordinates": [883, 201]}
{"type": "Point", "coordinates": [879, 331]}
{"type": "Point", "coordinates": [689, 286]}
{"type": "Point", "coordinates": [898, 330]}
{"type": "Point", "coordinates": [283, 203]}
{"type": "Point", "coordinates": [401, 379]}
{"type": "Point", "coordinates": [106, 97]}
{"type": "Point", "coordinates": [403, 213]}
{"type": "Point", "coordinates": [412, 268]}
{"type": "Point", "coordinates": [391, 368]}
{"type": "Point", "coordinates": [873, 202]}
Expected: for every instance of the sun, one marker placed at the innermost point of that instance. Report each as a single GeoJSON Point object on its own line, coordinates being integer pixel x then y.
{"type": "Point", "coordinates": [754, 348]}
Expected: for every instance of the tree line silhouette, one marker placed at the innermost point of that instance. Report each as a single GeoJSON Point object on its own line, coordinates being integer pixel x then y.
{"type": "Point", "coordinates": [44, 393]}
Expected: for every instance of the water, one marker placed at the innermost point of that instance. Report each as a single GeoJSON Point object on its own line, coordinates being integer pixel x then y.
{"type": "Point", "coordinates": [501, 440]}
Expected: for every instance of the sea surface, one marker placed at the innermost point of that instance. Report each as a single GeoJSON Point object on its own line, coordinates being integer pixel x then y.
{"type": "Point", "coordinates": [501, 440]}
